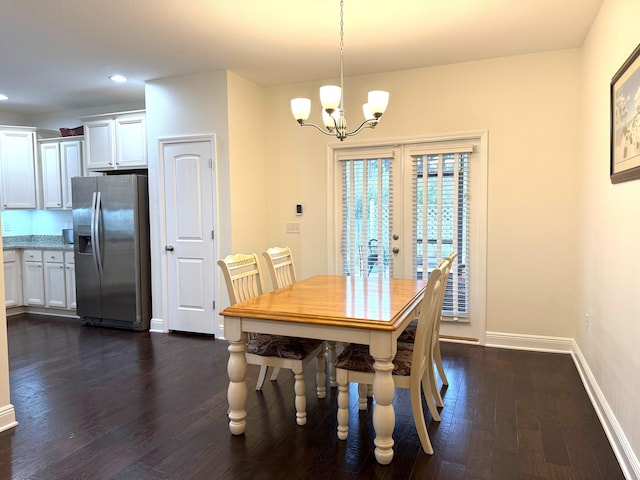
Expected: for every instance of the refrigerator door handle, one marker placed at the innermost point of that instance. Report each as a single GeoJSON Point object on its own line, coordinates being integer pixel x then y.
{"type": "Point", "coordinates": [95, 232]}
{"type": "Point", "coordinates": [92, 232]}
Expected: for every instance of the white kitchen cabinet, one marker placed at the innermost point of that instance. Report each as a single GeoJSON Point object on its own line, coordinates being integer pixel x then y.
{"type": "Point", "coordinates": [70, 280]}
{"type": "Point", "coordinates": [61, 160]}
{"type": "Point", "coordinates": [54, 279]}
{"type": "Point", "coordinates": [12, 279]}
{"type": "Point", "coordinates": [18, 168]}
{"type": "Point", "coordinates": [32, 278]}
{"type": "Point", "coordinates": [115, 141]}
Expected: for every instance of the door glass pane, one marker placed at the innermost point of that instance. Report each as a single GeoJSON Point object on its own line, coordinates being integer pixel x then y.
{"type": "Point", "coordinates": [366, 217]}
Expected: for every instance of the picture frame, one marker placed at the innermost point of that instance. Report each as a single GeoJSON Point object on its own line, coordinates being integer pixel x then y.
{"type": "Point", "coordinates": [625, 120]}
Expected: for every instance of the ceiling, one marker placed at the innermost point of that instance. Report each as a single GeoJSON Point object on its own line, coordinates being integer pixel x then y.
{"type": "Point", "coordinates": [56, 55]}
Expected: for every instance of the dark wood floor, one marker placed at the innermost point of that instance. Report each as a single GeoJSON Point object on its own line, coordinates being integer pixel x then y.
{"type": "Point", "coordinates": [97, 403]}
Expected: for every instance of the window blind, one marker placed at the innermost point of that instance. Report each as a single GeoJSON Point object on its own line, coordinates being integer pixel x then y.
{"type": "Point", "coordinates": [367, 201]}
{"type": "Point", "coordinates": [440, 184]}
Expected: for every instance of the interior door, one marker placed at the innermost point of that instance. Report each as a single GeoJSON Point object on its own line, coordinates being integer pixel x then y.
{"type": "Point", "coordinates": [190, 248]}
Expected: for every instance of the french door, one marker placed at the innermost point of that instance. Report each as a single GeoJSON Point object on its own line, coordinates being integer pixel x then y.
{"type": "Point", "coordinates": [398, 210]}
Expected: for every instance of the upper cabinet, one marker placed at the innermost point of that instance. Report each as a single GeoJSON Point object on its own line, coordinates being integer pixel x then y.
{"type": "Point", "coordinates": [61, 160]}
{"type": "Point", "coordinates": [19, 176]}
{"type": "Point", "coordinates": [115, 141]}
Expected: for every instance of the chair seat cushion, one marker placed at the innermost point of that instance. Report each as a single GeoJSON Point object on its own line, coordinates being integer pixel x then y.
{"type": "Point", "coordinates": [356, 357]}
{"type": "Point", "coordinates": [281, 346]}
{"type": "Point", "coordinates": [409, 333]}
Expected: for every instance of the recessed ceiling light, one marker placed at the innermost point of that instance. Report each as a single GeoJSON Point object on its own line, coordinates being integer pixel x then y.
{"type": "Point", "coordinates": [119, 78]}
{"type": "Point", "coordinates": [3, 97]}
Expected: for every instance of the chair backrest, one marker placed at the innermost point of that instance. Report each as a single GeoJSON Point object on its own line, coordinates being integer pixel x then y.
{"type": "Point", "coordinates": [429, 311]}
{"type": "Point", "coordinates": [445, 265]}
{"type": "Point", "coordinates": [242, 276]}
{"type": "Point", "coordinates": [446, 270]}
{"type": "Point", "coordinates": [281, 266]}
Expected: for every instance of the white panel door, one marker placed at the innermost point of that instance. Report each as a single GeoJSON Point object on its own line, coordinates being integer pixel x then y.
{"type": "Point", "coordinates": [189, 193]}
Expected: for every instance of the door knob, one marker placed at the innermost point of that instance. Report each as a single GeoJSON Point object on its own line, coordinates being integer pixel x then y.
{"type": "Point", "coordinates": [396, 236]}
{"type": "Point", "coordinates": [168, 248]}
{"type": "Point", "coordinates": [395, 250]}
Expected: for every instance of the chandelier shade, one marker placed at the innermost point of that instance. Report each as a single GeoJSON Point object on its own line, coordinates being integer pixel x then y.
{"type": "Point", "coordinates": [332, 101]}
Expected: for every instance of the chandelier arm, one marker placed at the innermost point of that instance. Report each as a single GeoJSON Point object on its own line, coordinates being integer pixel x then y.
{"type": "Point", "coordinates": [320, 129]}
{"type": "Point", "coordinates": [365, 124]}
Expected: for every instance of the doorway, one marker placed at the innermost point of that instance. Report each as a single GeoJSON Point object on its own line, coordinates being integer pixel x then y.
{"type": "Point", "coordinates": [397, 209]}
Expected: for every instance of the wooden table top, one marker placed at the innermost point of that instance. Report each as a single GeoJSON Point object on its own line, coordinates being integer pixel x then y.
{"type": "Point", "coordinates": [371, 303]}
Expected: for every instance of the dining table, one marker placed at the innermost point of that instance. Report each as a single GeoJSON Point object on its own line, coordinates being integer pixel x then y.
{"type": "Point", "coordinates": [335, 308]}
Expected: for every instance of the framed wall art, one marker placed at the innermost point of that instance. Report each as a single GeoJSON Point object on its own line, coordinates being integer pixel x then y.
{"type": "Point", "coordinates": [625, 120]}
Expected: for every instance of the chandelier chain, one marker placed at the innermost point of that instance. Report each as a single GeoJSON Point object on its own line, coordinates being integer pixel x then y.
{"type": "Point", "coordinates": [341, 54]}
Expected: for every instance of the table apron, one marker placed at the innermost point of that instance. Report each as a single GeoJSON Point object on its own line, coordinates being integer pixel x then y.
{"type": "Point", "coordinates": [382, 343]}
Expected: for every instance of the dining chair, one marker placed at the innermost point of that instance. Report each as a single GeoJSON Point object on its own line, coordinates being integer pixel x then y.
{"type": "Point", "coordinates": [355, 364]}
{"type": "Point", "coordinates": [281, 266]}
{"type": "Point", "coordinates": [282, 270]}
{"type": "Point", "coordinates": [408, 335]}
{"type": "Point", "coordinates": [283, 273]}
{"type": "Point", "coordinates": [437, 356]}
{"type": "Point", "coordinates": [243, 278]}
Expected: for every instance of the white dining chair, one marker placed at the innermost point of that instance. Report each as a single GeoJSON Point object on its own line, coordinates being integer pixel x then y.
{"type": "Point", "coordinates": [409, 334]}
{"type": "Point", "coordinates": [283, 273]}
{"type": "Point", "coordinates": [355, 364]}
{"type": "Point", "coordinates": [243, 278]}
{"type": "Point", "coordinates": [282, 270]}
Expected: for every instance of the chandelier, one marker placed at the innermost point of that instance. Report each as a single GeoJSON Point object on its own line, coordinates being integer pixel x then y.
{"type": "Point", "coordinates": [331, 99]}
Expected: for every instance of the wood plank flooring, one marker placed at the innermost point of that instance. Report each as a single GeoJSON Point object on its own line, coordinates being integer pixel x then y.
{"type": "Point", "coordinates": [96, 403]}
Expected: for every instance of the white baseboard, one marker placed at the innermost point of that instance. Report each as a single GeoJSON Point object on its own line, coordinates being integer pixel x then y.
{"type": "Point", "coordinates": [156, 325]}
{"type": "Point", "coordinates": [7, 417]}
{"type": "Point", "coordinates": [626, 457]}
{"type": "Point", "coordinates": [529, 342]}
{"type": "Point", "coordinates": [622, 449]}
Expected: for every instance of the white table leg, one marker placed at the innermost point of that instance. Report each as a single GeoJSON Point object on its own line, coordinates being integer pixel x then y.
{"type": "Point", "coordinates": [237, 392]}
{"type": "Point", "coordinates": [343, 411]}
{"type": "Point", "coordinates": [384, 417]}
{"type": "Point", "coordinates": [301, 399]}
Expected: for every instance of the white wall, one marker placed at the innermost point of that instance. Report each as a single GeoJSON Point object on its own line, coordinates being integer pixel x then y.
{"type": "Point", "coordinates": [7, 412]}
{"type": "Point", "coordinates": [35, 222]}
{"type": "Point", "coordinates": [610, 232]}
{"type": "Point", "coordinates": [184, 106]}
{"type": "Point", "coordinates": [251, 193]}
{"type": "Point", "coordinates": [531, 108]}
{"type": "Point", "coordinates": [230, 107]}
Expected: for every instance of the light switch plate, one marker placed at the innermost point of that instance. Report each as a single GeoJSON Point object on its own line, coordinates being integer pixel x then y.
{"type": "Point", "coordinates": [292, 227]}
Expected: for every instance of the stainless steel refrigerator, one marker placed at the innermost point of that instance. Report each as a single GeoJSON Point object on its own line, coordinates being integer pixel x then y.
{"type": "Point", "coordinates": [111, 244]}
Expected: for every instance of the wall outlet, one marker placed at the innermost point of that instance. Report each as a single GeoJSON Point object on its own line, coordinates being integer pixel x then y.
{"type": "Point", "coordinates": [587, 320]}
{"type": "Point", "coordinates": [292, 227]}
{"type": "Point", "coordinates": [7, 227]}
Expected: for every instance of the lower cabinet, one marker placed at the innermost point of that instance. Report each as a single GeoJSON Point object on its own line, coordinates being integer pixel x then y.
{"type": "Point", "coordinates": [70, 279]}
{"type": "Point", "coordinates": [48, 279]}
{"type": "Point", "coordinates": [54, 279]}
{"type": "Point", "coordinates": [33, 278]}
{"type": "Point", "coordinates": [12, 279]}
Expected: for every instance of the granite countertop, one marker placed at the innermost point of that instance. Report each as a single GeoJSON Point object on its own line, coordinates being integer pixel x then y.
{"type": "Point", "coordinates": [43, 242]}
